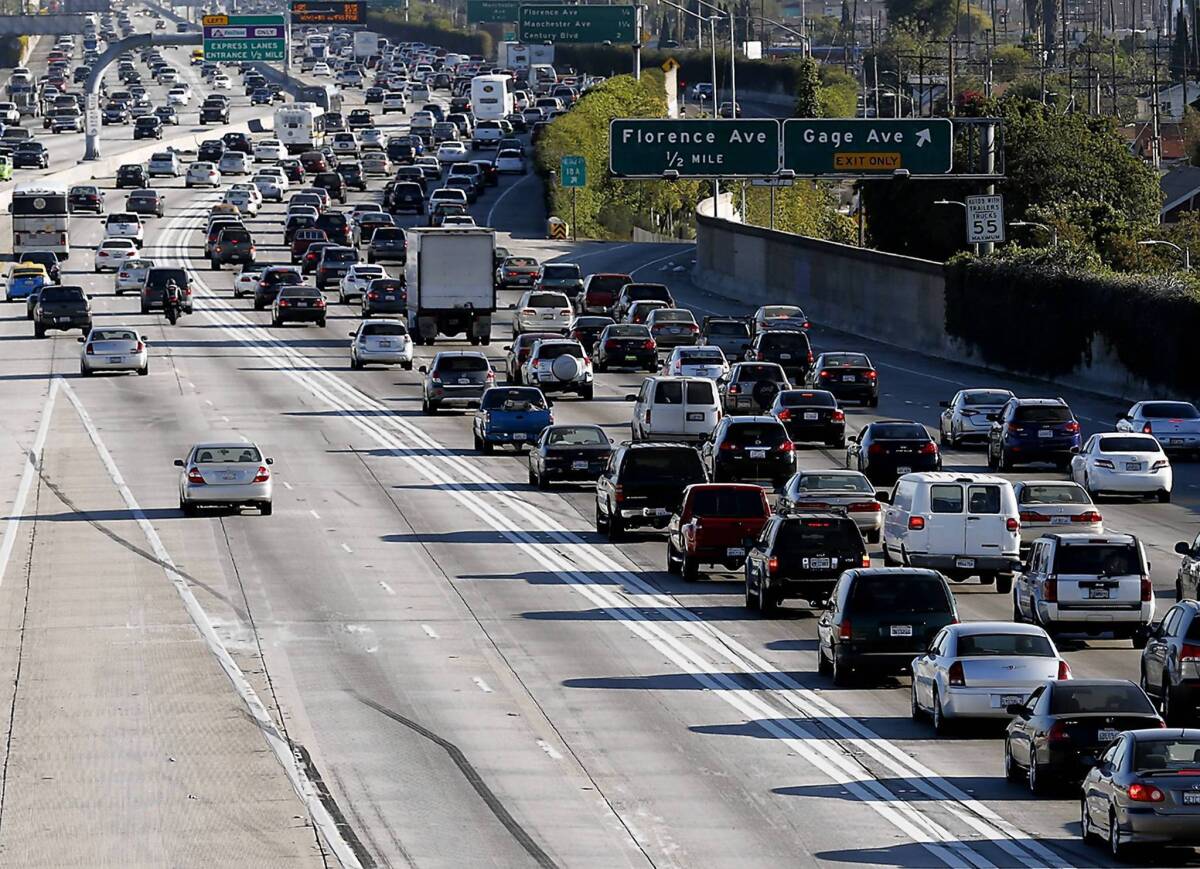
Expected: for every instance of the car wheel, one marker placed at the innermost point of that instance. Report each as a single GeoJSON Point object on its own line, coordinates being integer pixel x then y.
{"type": "Point", "coordinates": [1012, 772]}
{"type": "Point", "coordinates": [601, 522]}
{"type": "Point", "coordinates": [321, 323]}
{"type": "Point", "coordinates": [991, 459]}
{"type": "Point", "coordinates": [823, 665]}
{"type": "Point", "coordinates": [143, 371]}
{"type": "Point", "coordinates": [1017, 616]}
{"type": "Point", "coordinates": [1164, 497]}
{"type": "Point", "coordinates": [1004, 583]}
{"type": "Point", "coordinates": [1002, 461]}
{"type": "Point", "coordinates": [914, 708]}
{"type": "Point", "coordinates": [588, 390]}
{"type": "Point", "coordinates": [873, 536]}
{"type": "Point", "coordinates": [940, 725]}
{"type": "Point", "coordinates": [838, 671]}
{"type": "Point", "coordinates": [39, 331]}
{"type": "Point", "coordinates": [1086, 831]}
{"type": "Point", "coordinates": [689, 568]}
{"type": "Point", "coordinates": [84, 371]}
{"type": "Point", "coordinates": [1115, 846]}
{"type": "Point", "coordinates": [187, 507]}
{"type": "Point", "coordinates": [1033, 776]}
{"type": "Point", "coordinates": [674, 562]}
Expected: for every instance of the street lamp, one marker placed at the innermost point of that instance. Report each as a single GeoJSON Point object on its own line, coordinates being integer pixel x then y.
{"type": "Point", "coordinates": [1187, 254]}
{"type": "Point", "coordinates": [1053, 232]}
{"type": "Point", "coordinates": [732, 59]}
{"type": "Point", "coordinates": [712, 32]}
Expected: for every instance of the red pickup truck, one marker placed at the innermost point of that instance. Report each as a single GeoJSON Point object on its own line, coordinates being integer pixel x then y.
{"type": "Point", "coordinates": [712, 525]}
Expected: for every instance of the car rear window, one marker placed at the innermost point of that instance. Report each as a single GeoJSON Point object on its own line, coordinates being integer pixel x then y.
{"type": "Point", "coordinates": [518, 398]}
{"type": "Point", "coordinates": [340, 255]}
{"type": "Point", "coordinates": [1069, 699]}
{"type": "Point", "coordinates": [770, 372]}
{"type": "Point", "coordinates": [803, 398]}
{"type": "Point", "coordinates": [553, 351]}
{"type": "Point", "coordinates": [815, 482]}
{"type": "Point", "coordinates": [896, 593]}
{"type": "Point", "coordinates": [207, 455]}
{"type": "Point", "coordinates": [728, 327]}
{"type": "Point", "coordinates": [700, 392]}
{"type": "Point", "coordinates": [1042, 413]}
{"type": "Point", "coordinates": [462, 363]}
{"type": "Point", "coordinates": [1098, 559]}
{"type": "Point", "coordinates": [702, 357]}
{"type": "Point", "coordinates": [1072, 494]}
{"type": "Point", "coordinates": [681, 465]}
{"type": "Point", "coordinates": [300, 292]}
{"type": "Point", "coordinates": [898, 431]}
{"type": "Point", "coordinates": [576, 436]}
{"type": "Point", "coordinates": [668, 392]}
{"type": "Point", "coordinates": [639, 292]}
{"type": "Point", "coordinates": [547, 300]}
{"type": "Point", "coordinates": [728, 503]}
{"type": "Point", "coordinates": [1002, 645]}
{"type": "Point", "coordinates": [629, 330]}
{"type": "Point", "coordinates": [1166, 753]}
{"type": "Point", "coordinates": [799, 537]}
{"type": "Point", "coordinates": [672, 315]}
{"type": "Point", "coordinates": [756, 433]}
{"type": "Point", "coordinates": [1129, 445]}
{"type": "Point", "coordinates": [62, 294]}
{"type": "Point", "coordinates": [993, 399]}
{"type": "Point", "coordinates": [560, 272]}
{"type": "Point", "coordinates": [235, 235]}
{"type": "Point", "coordinates": [782, 311]}
{"type": "Point", "coordinates": [608, 283]}
{"type": "Point", "coordinates": [785, 341]}
{"type": "Point", "coordinates": [845, 360]}
{"type": "Point", "coordinates": [1169, 410]}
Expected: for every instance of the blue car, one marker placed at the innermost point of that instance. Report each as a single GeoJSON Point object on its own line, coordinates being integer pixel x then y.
{"type": "Point", "coordinates": [510, 415]}
{"type": "Point", "coordinates": [23, 283]}
{"type": "Point", "coordinates": [1028, 430]}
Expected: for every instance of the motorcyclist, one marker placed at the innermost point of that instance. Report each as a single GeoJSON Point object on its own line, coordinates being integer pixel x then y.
{"type": "Point", "coordinates": [172, 301]}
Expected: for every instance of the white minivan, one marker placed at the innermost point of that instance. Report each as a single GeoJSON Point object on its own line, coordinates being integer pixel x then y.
{"type": "Point", "coordinates": [674, 409]}
{"type": "Point", "coordinates": [960, 524]}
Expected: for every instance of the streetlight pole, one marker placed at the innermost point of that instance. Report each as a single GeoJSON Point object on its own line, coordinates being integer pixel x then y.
{"type": "Point", "coordinates": [732, 56]}
{"type": "Point", "coordinates": [713, 40]}
{"type": "Point", "coordinates": [1049, 229]}
{"type": "Point", "coordinates": [1185, 251]}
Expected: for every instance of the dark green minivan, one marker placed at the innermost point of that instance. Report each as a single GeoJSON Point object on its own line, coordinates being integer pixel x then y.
{"type": "Point", "coordinates": [879, 619]}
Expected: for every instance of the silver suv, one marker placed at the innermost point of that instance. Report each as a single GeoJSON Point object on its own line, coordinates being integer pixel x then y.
{"type": "Point", "coordinates": [559, 365]}
{"type": "Point", "coordinates": [457, 377]}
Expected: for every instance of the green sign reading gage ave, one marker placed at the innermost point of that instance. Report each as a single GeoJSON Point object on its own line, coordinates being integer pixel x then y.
{"type": "Point", "coordinates": [492, 11]}
{"type": "Point", "coordinates": [868, 146]}
{"type": "Point", "coordinates": [648, 148]}
{"type": "Point", "coordinates": [560, 23]}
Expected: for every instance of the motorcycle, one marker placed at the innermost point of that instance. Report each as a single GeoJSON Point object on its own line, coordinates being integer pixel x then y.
{"type": "Point", "coordinates": [172, 305]}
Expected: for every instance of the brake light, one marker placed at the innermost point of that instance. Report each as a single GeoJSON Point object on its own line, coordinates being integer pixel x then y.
{"type": "Point", "coordinates": [875, 450]}
{"type": "Point", "coordinates": [263, 474]}
{"type": "Point", "coordinates": [283, 303]}
{"type": "Point", "coordinates": [1058, 733]}
{"type": "Point", "coordinates": [1089, 516]}
{"type": "Point", "coordinates": [1072, 427]}
{"type": "Point", "coordinates": [759, 356]}
{"type": "Point", "coordinates": [610, 345]}
{"type": "Point", "coordinates": [619, 493]}
{"type": "Point", "coordinates": [1146, 429]}
{"type": "Point", "coordinates": [1012, 525]}
{"type": "Point", "coordinates": [320, 303]}
{"type": "Point", "coordinates": [734, 389]}
{"type": "Point", "coordinates": [692, 327]}
{"type": "Point", "coordinates": [1050, 589]}
{"type": "Point", "coordinates": [1190, 653]}
{"type": "Point", "coordinates": [824, 374]}
{"type": "Point", "coordinates": [1147, 589]}
{"type": "Point", "coordinates": [844, 630]}
{"type": "Point", "coordinates": [866, 560]}
{"type": "Point", "coordinates": [1104, 463]}
{"type": "Point", "coordinates": [219, 248]}
{"type": "Point", "coordinates": [373, 296]}
{"type": "Point", "coordinates": [727, 446]}
{"type": "Point", "coordinates": [1064, 671]}
{"type": "Point", "coordinates": [491, 375]}
{"type": "Point", "coordinates": [955, 676]}
{"type": "Point", "coordinates": [528, 311]}
{"type": "Point", "coordinates": [1029, 516]}
{"type": "Point", "coordinates": [140, 347]}
{"type": "Point", "coordinates": [916, 523]}
{"type": "Point", "coordinates": [91, 350]}
{"type": "Point", "coordinates": [871, 375]}
{"type": "Point", "coordinates": [1141, 792]}
{"type": "Point", "coordinates": [650, 345]}
{"type": "Point", "coordinates": [839, 416]}
{"type": "Point", "coordinates": [784, 415]}
{"type": "Point", "coordinates": [772, 564]}
{"type": "Point", "coordinates": [1159, 465]}
{"type": "Point", "coordinates": [195, 478]}
{"type": "Point", "coordinates": [865, 507]}
{"type": "Point", "coordinates": [810, 357]}
{"type": "Point", "coordinates": [1014, 428]}
{"type": "Point", "coordinates": [928, 449]}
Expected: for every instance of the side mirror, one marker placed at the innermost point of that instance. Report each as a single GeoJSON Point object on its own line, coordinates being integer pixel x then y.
{"type": "Point", "coordinates": [1120, 416]}
{"type": "Point", "coordinates": [179, 463]}
{"type": "Point", "coordinates": [90, 296]}
{"type": "Point", "coordinates": [631, 397]}
{"type": "Point", "coordinates": [993, 417]}
{"type": "Point", "coordinates": [549, 401]}
{"type": "Point", "coordinates": [270, 461]}
{"type": "Point", "coordinates": [1074, 451]}
{"type": "Point", "coordinates": [943, 404]}
{"type": "Point", "coordinates": [883, 497]}
{"type": "Point", "coordinates": [351, 334]}
{"type": "Point", "coordinates": [145, 340]}
{"type": "Point", "coordinates": [1017, 710]}
{"type": "Point", "coordinates": [423, 369]}
{"type": "Point", "coordinates": [512, 306]}
{"type": "Point", "coordinates": [81, 340]}
{"type": "Point", "coordinates": [1183, 549]}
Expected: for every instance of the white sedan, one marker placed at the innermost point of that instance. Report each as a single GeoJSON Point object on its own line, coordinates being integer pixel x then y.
{"type": "Point", "coordinates": [356, 280]}
{"type": "Point", "coordinates": [202, 173]}
{"type": "Point", "coordinates": [221, 82]}
{"type": "Point", "coordinates": [132, 274]}
{"type": "Point", "coordinates": [113, 348]}
{"type": "Point", "coordinates": [965, 417]}
{"type": "Point", "coordinates": [321, 69]}
{"type": "Point", "coordinates": [452, 152]}
{"type": "Point", "coordinates": [510, 162]}
{"type": "Point", "coordinates": [269, 151]}
{"type": "Point", "coordinates": [113, 253]}
{"type": "Point", "coordinates": [394, 101]}
{"type": "Point", "coordinates": [269, 186]}
{"type": "Point", "coordinates": [381, 342]}
{"type": "Point", "coordinates": [224, 475]}
{"type": "Point", "coordinates": [370, 137]}
{"type": "Point", "coordinates": [246, 282]}
{"type": "Point", "coordinates": [979, 669]}
{"type": "Point", "coordinates": [234, 163]}
{"type": "Point", "coordinates": [1117, 463]}
{"type": "Point", "coordinates": [704, 361]}
{"type": "Point", "coordinates": [1050, 506]}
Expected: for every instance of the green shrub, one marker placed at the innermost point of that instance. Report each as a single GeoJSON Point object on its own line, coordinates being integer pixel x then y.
{"type": "Point", "coordinates": [392, 25]}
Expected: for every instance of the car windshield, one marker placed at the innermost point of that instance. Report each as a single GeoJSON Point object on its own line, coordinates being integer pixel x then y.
{"type": "Point", "coordinates": [454, 364]}
{"type": "Point", "coordinates": [576, 436]}
{"type": "Point", "coordinates": [1069, 698]}
{"type": "Point", "coordinates": [845, 360]}
{"type": "Point", "coordinates": [519, 398]}
{"type": "Point", "coordinates": [802, 398]}
{"type": "Point", "coordinates": [817, 482]}
{"type": "Point", "coordinates": [728, 503]}
{"type": "Point", "coordinates": [678, 465]}
{"type": "Point", "coordinates": [895, 593]}
{"type": "Point", "coordinates": [628, 331]}
{"type": "Point", "coordinates": [216, 455]}
{"type": "Point", "coordinates": [561, 272]}
{"type": "Point", "coordinates": [987, 399]}
{"type": "Point", "coordinates": [1001, 645]}
{"type": "Point", "coordinates": [547, 300]}
{"type": "Point", "coordinates": [1166, 753]}
{"type": "Point", "coordinates": [898, 431]}
{"type": "Point", "coordinates": [1132, 444]}
{"type": "Point", "coordinates": [1098, 559]}
{"type": "Point", "coordinates": [1042, 413]}
{"type": "Point", "coordinates": [1169, 410]}
{"type": "Point", "coordinates": [1053, 494]}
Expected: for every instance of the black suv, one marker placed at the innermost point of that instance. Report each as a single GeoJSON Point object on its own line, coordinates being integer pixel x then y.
{"type": "Point", "coordinates": [234, 245]}
{"type": "Point", "coordinates": [156, 284]}
{"type": "Point", "coordinates": [880, 618]}
{"type": "Point", "coordinates": [332, 183]}
{"type": "Point", "coordinates": [147, 127]}
{"type": "Point", "coordinates": [62, 308]}
{"type": "Point", "coordinates": [406, 196]}
{"type": "Point", "coordinates": [210, 151]}
{"type": "Point", "coordinates": [238, 142]}
{"type": "Point", "coordinates": [746, 448]}
{"type": "Point", "coordinates": [643, 484]}
{"type": "Point", "coordinates": [214, 110]}
{"type": "Point", "coordinates": [132, 175]}
{"type": "Point", "coordinates": [811, 415]}
{"type": "Point", "coordinates": [333, 264]}
{"type": "Point", "coordinates": [801, 555]}
{"type": "Point", "coordinates": [270, 281]}
{"type": "Point", "coordinates": [388, 243]}
{"type": "Point", "coordinates": [789, 348]}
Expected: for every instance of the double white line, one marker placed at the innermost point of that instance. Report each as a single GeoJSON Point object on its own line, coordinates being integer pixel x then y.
{"type": "Point", "coordinates": [855, 759]}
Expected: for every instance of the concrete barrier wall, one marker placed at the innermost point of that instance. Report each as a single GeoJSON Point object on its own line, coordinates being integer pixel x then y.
{"type": "Point", "coordinates": [893, 299]}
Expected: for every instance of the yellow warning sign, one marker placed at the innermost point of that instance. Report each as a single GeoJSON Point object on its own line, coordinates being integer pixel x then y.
{"type": "Point", "coordinates": [215, 20]}
{"type": "Point", "coordinates": [669, 64]}
{"type": "Point", "coordinates": [850, 162]}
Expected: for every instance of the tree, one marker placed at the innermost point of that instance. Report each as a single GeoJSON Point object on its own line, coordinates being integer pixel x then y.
{"type": "Point", "coordinates": [808, 90]}
{"type": "Point", "coordinates": [1180, 48]}
{"type": "Point", "coordinates": [934, 18]}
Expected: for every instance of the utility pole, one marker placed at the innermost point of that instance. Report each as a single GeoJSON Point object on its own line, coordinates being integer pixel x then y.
{"type": "Point", "coordinates": [1155, 149]}
{"type": "Point", "coordinates": [950, 79]}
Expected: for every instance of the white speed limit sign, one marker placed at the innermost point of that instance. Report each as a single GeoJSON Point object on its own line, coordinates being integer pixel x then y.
{"type": "Point", "coordinates": [985, 219]}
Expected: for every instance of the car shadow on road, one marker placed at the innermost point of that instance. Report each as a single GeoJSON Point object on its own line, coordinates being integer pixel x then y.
{"type": "Point", "coordinates": [152, 513]}
{"type": "Point", "coordinates": [540, 577]}
{"type": "Point", "coordinates": [472, 537]}
{"type": "Point", "coordinates": [657, 614]}
{"type": "Point", "coordinates": [980, 787]}
{"type": "Point", "coordinates": [694, 682]}
{"type": "Point", "coordinates": [817, 727]}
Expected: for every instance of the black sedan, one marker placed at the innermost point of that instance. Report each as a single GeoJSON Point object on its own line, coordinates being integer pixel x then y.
{"type": "Point", "coordinates": [847, 375]}
{"type": "Point", "coordinates": [568, 452]}
{"type": "Point", "coordinates": [149, 202]}
{"type": "Point", "coordinates": [891, 448]}
{"type": "Point", "coordinates": [85, 197]}
{"type": "Point", "coordinates": [299, 304]}
{"type": "Point", "coordinates": [1058, 733]}
{"type": "Point", "coordinates": [30, 155]}
{"type": "Point", "coordinates": [373, 95]}
{"type": "Point", "coordinates": [115, 113]}
{"type": "Point", "coordinates": [626, 345]}
{"type": "Point", "coordinates": [810, 416]}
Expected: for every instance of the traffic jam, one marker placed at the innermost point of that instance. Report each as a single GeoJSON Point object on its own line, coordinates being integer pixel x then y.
{"type": "Point", "coordinates": [746, 447]}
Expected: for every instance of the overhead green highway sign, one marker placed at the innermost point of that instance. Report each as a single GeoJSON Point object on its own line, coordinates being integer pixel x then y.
{"type": "Point", "coordinates": [716, 148]}
{"type": "Point", "coordinates": [492, 11]}
{"type": "Point", "coordinates": [560, 22]}
{"type": "Point", "coordinates": [868, 146]}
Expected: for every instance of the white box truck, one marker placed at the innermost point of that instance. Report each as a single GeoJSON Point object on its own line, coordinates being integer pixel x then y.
{"type": "Point", "coordinates": [366, 43]}
{"type": "Point", "coordinates": [450, 275]}
{"type": "Point", "coordinates": [516, 55]}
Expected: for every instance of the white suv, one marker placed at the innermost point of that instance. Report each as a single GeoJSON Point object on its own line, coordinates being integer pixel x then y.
{"type": "Point", "coordinates": [559, 365]}
{"type": "Point", "coordinates": [541, 311]}
{"type": "Point", "coordinates": [1087, 583]}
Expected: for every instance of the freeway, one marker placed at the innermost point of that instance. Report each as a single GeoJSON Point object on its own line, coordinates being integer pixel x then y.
{"type": "Point", "coordinates": [472, 674]}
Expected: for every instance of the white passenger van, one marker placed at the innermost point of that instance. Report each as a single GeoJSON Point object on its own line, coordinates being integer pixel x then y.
{"type": "Point", "coordinates": [675, 409]}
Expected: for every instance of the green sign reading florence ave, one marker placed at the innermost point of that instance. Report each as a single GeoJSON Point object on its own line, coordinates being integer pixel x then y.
{"type": "Point", "coordinates": [653, 147]}
{"type": "Point", "coordinates": [562, 23]}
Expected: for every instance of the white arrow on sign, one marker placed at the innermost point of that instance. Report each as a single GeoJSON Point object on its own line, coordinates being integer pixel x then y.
{"type": "Point", "coordinates": [924, 137]}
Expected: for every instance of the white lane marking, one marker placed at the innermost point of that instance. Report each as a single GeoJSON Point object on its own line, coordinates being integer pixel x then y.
{"type": "Point", "coordinates": [315, 514]}
{"type": "Point", "coordinates": [33, 459]}
{"type": "Point", "coordinates": [287, 485]}
{"type": "Point", "coordinates": [502, 196]}
{"type": "Point", "coordinates": [208, 401]}
{"type": "Point", "coordinates": [299, 780]}
{"type": "Point", "coordinates": [386, 587]}
{"type": "Point", "coordinates": [654, 261]}
{"type": "Point", "coordinates": [347, 548]}
{"type": "Point", "coordinates": [193, 386]}
{"type": "Point", "coordinates": [582, 570]}
{"type": "Point", "coordinates": [482, 685]}
{"type": "Point", "coordinates": [224, 419]}
{"type": "Point", "coordinates": [554, 753]}
{"type": "Point", "coordinates": [433, 635]}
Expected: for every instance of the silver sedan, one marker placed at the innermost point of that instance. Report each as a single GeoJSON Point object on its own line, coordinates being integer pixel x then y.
{"type": "Point", "coordinates": [965, 417]}
{"type": "Point", "coordinates": [1048, 506]}
{"type": "Point", "coordinates": [979, 669]}
{"type": "Point", "coordinates": [835, 489]}
{"type": "Point", "coordinates": [229, 474]}
{"type": "Point", "coordinates": [113, 348]}
{"type": "Point", "coordinates": [1175, 424]}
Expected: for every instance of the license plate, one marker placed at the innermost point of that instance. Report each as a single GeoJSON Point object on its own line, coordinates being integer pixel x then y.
{"type": "Point", "coordinates": [1045, 433]}
{"type": "Point", "coordinates": [695, 417]}
{"type": "Point", "coordinates": [966, 563]}
{"type": "Point", "coordinates": [734, 552]}
{"type": "Point", "coordinates": [758, 454]}
{"type": "Point", "coordinates": [385, 344]}
{"type": "Point", "coordinates": [1107, 734]}
{"type": "Point", "coordinates": [229, 475]}
{"type": "Point", "coordinates": [1097, 594]}
{"type": "Point", "coordinates": [631, 359]}
{"type": "Point", "coordinates": [848, 378]}
{"type": "Point", "coordinates": [547, 316]}
{"type": "Point", "coordinates": [1179, 442]}
{"type": "Point", "coordinates": [464, 380]}
{"type": "Point", "coordinates": [785, 356]}
{"type": "Point", "coordinates": [1011, 700]}
{"type": "Point", "coordinates": [674, 330]}
{"type": "Point", "coordinates": [519, 436]}
{"type": "Point", "coordinates": [1133, 466]}
{"type": "Point", "coordinates": [579, 465]}
{"type": "Point", "coordinates": [389, 298]}
{"type": "Point", "coordinates": [654, 511]}
{"type": "Point", "coordinates": [903, 469]}
{"type": "Point", "coordinates": [819, 564]}
{"type": "Point", "coordinates": [116, 359]}
{"type": "Point", "coordinates": [1060, 520]}
{"type": "Point", "coordinates": [812, 415]}
{"type": "Point", "coordinates": [1191, 798]}
{"type": "Point", "coordinates": [901, 630]}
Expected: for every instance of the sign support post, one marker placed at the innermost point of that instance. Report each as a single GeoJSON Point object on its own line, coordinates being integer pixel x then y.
{"type": "Point", "coordinates": [637, 43]}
